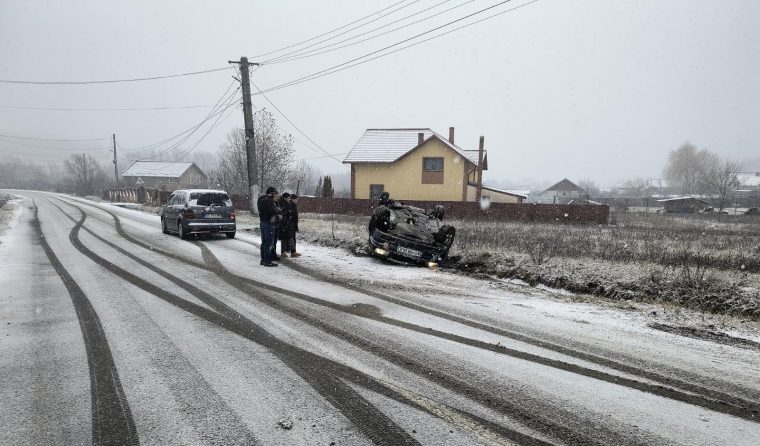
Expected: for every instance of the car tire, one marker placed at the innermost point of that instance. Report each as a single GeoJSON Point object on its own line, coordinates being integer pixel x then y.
{"type": "Point", "coordinates": [181, 230]}
{"type": "Point", "coordinates": [445, 235]}
{"type": "Point", "coordinates": [164, 229]}
{"type": "Point", "coordinates": [230, 234]}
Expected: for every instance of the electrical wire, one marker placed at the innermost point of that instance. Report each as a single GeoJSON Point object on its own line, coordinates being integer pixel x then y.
{"type": "Point", "coordinates": [294, 125]}
{"type": "Point", "coordinates": [36, 146]}
{"type": "Point", "coordinates": [179, 107]}
{"type": "Point", "coordinates": [180, 134]}
{"type": "Point", "coordinates": [300, 54]}
{"type": "Point", "coordinates": [328, 32]}
{"type": "Point", "coordinates": [111, 81]}
{"type": "Point", "coordinates": [51, 139]}
{"type": "Point", "coordinates": [352, 29]}
{"type": "Point", "coordinates": [346, 65]}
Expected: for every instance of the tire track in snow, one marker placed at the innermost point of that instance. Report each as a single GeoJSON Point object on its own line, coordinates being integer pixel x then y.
{"type": "Point", "coordinates": [112, 421]}
{"type": "Point", "coordinates": [345, 372]}
{"type": "Point", "coordinates": [669, 388]}
{"type": "Point", "coordinates": [535, 418]}
{"type": "Point", "coordinates": [310, 367]}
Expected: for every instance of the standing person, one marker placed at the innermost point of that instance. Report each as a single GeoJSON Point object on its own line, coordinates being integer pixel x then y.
{"type": "Point", "coordinates": [285, 227]}
{"type": "Point", "coordinates": [267, 220]}
{"type": "Point", "coordinates": [294, 210]}
{"type": "Point", "coordinates": [278, 204]}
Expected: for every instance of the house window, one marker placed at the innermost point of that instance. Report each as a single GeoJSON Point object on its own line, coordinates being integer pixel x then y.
{"type": "Point", "coordinates": [375, 190]}
{"type": "Point", "coordinates": [432, 170]}
{"type": "Point", "coordinates": [196, 179]}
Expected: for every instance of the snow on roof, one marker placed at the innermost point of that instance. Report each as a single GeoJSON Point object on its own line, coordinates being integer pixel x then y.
{"type": "Point", "coordinates": [682, 198]}
{"type": "Point", "coordinates": [388, 145]}
{"type": "Point", "coordinates": [565, 185]}
{"type": "Point", "coordinates": [156, 169]}
{"type": "Point", "coordinates": [517, 193]}
{"type": "Point", "coordinates": [749, 178]}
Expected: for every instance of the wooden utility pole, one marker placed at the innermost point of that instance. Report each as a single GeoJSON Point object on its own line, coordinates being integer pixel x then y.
{"type": "Point", "coordinates": [115, 165]}
{"type": "Point", "coordinates": [250, 141]}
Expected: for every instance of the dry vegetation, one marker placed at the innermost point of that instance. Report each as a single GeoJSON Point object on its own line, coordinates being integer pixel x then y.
{"type": "Point", "coordinates": [704, 262]}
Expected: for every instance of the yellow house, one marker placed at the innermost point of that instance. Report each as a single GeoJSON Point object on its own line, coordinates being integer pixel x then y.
{"type": "Point", "coordinates": [417, 164]}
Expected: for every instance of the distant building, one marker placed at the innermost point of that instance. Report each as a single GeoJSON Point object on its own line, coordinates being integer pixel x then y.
{"type": "Point", "coordinates": [164, 175]}
{"type": "Point", "coordinates": [684, 205]}
{"type": "Point", "coordinates": [418, 164]}
{"type": "Point", "coordinates": [561, 193]}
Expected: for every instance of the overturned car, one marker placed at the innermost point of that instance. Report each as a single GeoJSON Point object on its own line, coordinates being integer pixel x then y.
{"type": "Point", "coordinates": [408, 234]}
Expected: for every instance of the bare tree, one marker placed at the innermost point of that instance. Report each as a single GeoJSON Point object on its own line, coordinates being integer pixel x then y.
{"type": "Point", "coordinates": [274, 157]}
{"type": "Point", "coordinates": [85, 173]}
{"type": "Point", "coordinates": [637, 187]}
{"type": "Point", "coordinates": [274, 150]}
{"type": "Point", "coordinates": [719, 178]}
{"type": "Point", "coordinates": [590, 188]}
{"type": "Point", "coordinates": [683, 168]}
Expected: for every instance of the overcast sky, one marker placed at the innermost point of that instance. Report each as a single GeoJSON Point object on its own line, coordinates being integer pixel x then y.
{"type": "Point", "coordinates": [594, 89]}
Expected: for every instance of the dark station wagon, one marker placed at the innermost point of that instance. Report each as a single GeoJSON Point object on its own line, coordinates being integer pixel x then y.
{"type": "Point", "coordinates": [198, 211]}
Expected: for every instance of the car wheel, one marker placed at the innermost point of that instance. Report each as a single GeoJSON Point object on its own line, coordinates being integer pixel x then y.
{"type": "Point", "coordinates": [230, 234]}
{"type": "Point", "coordinates": [445, 235]}
{"type": "Point", "coordinates": [181, 230]}
{"type": "Point", "coordinates": [164, 229]}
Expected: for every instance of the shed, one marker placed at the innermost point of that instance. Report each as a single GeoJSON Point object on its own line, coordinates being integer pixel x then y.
{"type": "Point", "coordinates": [683, 205]}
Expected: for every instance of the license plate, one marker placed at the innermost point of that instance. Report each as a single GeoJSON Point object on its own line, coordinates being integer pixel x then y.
{"type": "Point", "coordinates": [409, 252]}
{"type": "Point", "coordinates": [213, 215]}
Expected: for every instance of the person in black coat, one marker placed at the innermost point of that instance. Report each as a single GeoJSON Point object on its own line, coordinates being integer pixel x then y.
{"type": "Point", "coordinates": [286, 227]}
{"type": "Point", "coordinates": [294, 206]}
{"type": "Point", "coordinates": [268, 217]}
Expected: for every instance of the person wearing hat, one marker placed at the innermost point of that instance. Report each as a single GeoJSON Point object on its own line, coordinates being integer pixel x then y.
{"type": "Point", "coordinates": [267, 220]}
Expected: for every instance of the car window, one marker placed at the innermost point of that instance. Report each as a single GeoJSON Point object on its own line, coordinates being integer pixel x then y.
{"type": "Point", "coordinates": [209, 199]}
{"type": "Point", "coordinates": [170, 201]}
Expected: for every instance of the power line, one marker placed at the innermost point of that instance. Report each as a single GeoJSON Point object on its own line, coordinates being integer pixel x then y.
{"type": "Point", "coordinates": [345, 65]}
{"type": "Point", "coordinates": [19, 107]}
{"type": "Point", "coordinates": [178, 135]}
{"type": "Point", "coordinates": [328, 32]}
{"type": "Point", "coordinates": [111, 81]}
{"type": "Point", "coordinates": [300, 54]}
{"type": "Point", "coordinates": [295, 126]}
{"type": "Point", "coordinates": [229, 101]}
{"type": "Point", "coordinates": [85, 149]}
{"type": "Point", "coordinates": [349, 30]}
{"type": "Point", "coordinates": [50, 139]}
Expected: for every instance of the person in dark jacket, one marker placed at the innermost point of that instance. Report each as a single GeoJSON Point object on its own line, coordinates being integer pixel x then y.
{"type": "Point", "coordinates": [285, 228]}
{"type": "Point", "coordinates": [294, 206]}
{"type": "Point", "coordinates": [267, 220]}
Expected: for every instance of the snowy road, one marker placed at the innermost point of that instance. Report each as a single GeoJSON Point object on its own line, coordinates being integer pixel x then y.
{"type": "Point", "coordinates": [114, 333]}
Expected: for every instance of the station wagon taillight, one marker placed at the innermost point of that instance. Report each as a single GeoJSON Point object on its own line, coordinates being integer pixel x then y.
{"type": "Point", "coordinates": [189, 214]}
{"type": "Point", "coordinates": [232, 214]}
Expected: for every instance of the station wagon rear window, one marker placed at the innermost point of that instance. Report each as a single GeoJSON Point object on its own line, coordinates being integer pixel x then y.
{"type": "Point", "coordinates": [209, 199]}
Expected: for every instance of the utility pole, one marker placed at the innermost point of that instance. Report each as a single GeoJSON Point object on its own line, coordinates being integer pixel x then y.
{"type": "Point", "coordinates": [115, 165]}
{"type": "Point", "coordinates": [250, 141]}
{"type": "Point", "coordinates": [479, 171]}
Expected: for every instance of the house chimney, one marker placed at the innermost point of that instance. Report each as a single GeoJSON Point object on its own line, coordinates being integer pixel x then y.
{"type": "Point", "coordinates": [451, 135]}
{"type": "Point", "coordinates": [479, 188]}
{"type": "Point", "coordinates": [420, 138]}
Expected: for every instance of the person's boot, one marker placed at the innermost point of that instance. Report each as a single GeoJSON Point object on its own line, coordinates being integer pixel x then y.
{"type": "Point", "coordinates": [295, 254]}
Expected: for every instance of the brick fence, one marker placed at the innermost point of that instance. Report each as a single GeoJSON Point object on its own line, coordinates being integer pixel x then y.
{"type": "Point", "coordinates": [469, 210]}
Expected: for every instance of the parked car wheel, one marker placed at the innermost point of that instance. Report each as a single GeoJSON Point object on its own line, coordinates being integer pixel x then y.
{"type": "Point", "coordinates": [230, 234]}
{"type": "Point", "coordinates": [181, 230]}
{"type": "Point", "coordinates": [164, 229]}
